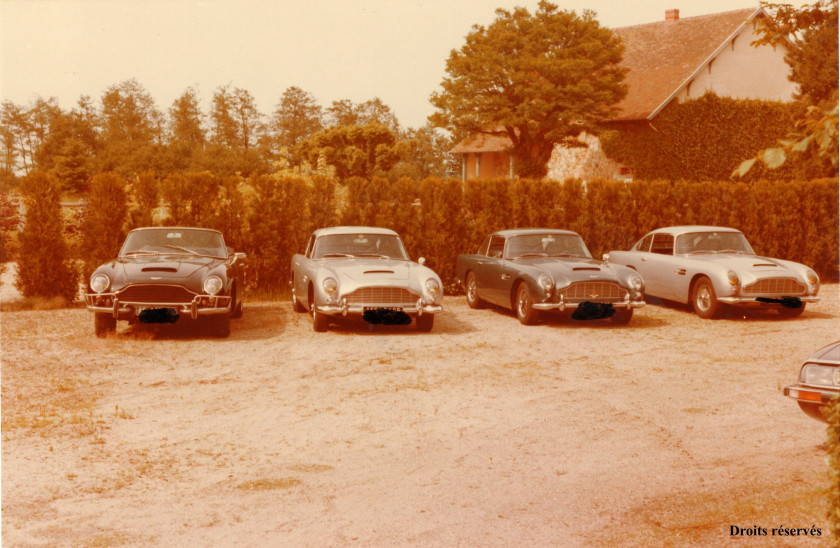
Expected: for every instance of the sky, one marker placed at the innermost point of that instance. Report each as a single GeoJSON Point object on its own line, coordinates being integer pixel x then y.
{"type": "Point", "coordinates": [395, 50]}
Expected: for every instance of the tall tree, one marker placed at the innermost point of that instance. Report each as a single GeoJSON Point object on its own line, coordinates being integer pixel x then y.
{"type": "Point", "coordinates": [131, 127]}
{"type": "Point", "coordinates": [296, 117]}
{"type": "Point", "coordinates": [43, 264]}
{"type": "Point", "coordinates": [103, 227]}
{"type": "Point", "coordinates": [235, 120]}
{"type": "Point", "coordinates": [355, 151]}
{"type": "Point", "coordinates": [541, 78]}
{"type": "Point", "coordinates": [347, 113]}
{"type": "Point", "coordinates": [185, 121]}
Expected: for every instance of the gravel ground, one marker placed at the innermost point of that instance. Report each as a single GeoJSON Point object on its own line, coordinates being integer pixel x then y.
{"type": "Point", "coordinates": [484, 432]}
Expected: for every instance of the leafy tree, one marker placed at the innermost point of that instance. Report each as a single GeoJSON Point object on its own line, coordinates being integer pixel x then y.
{"type": "Point", "coordinates": [103, 228]}
{"type": "Point", "coordinates": [355, 151]}
{"type": "Point", "coordinates": [9, 223]}
{"type": "Point", "coordinates": [131, 126]}
{"type": "Point", "coordinates": [185, 121]}
{"type": "Point", "coordinates": [542, 79]}
{"type": "Point", "coordinates": [813, 59]}
{"type": "Point", "coordinates": [296, 118]}
{"type": "Point", "coordinates": [43, 267]}
{"type": "Point", "coordinates": [235, 120]}
{"type": "Point", "coordinates": [346, 113]}
{"type": "Point", "coordinates": [144, 192]}
{"type": "Point", "coordinates": [426, 155]}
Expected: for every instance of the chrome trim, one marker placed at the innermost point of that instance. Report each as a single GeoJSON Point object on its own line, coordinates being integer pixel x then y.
{"type": "Point", "coordinates": [751, 300]}
{"type": "Point", "coordinates": [564, 305]}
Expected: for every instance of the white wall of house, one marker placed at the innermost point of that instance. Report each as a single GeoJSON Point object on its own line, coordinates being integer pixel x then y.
{"type": "Point", "coordinates": [742, 71]}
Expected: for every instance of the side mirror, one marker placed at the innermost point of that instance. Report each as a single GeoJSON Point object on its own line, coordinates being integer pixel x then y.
{"type": "Point", "coordinates": [236, 257]}
{"type": "Point", "coordinates": [421, 261]}
{"type": "Point", "coordinates": [606, 257]}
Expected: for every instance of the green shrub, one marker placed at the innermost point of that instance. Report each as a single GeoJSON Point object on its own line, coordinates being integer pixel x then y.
{"type": "Point", "coordinates": [43, 265]}
{"type": "Point", "coordinates": [103, 226]}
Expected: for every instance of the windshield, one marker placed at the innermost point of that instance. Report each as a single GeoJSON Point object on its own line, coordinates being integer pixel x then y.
{"type": "Point", "coordinates": [712, 242]}
{"type": "Point", "coordinates": [546, 245]}
{"type": "Point", "coordinates": [174, 241]}
{"type": "Point", "coordinates": [386, 246]}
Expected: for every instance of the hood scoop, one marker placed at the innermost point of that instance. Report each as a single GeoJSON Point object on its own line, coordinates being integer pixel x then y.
{"type": "Point", "coordinates": [379, 272]}
{"type": "Point", "coordinates": [592, 268]}
{"type": "Point", "coordinates": [765, 264]}
{"type": "Point", "coordinates": [159, 269]}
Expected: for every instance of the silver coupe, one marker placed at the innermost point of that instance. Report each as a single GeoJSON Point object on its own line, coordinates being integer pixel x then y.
{"type": "Point", "coordinates": [363, 272]}
{"type": "Point", "coordinates": [711, 266]}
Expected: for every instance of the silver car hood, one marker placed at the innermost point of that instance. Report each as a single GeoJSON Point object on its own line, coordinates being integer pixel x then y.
{"type": "Point", "coordinates": [370, 270]}
{"type": "Point", "coordinates": [739, 262]}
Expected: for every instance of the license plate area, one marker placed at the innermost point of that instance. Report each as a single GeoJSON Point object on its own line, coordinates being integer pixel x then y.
{"type": "Point", "coordinates": [157, 315]}
{"type": "Point", "coordinates": [386, 308]}
{"type": "Point", "coordinates": [589, 310]}
{"type": "Point", "coordinates": [386, 315]}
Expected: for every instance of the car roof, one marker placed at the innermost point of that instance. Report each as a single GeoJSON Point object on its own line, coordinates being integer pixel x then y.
{"type": "Point", "coordinates": [826, 354]}
{"type": "Point", "coordinates": [508, 233]}
{"type": "Point", "coordinates": [173, 228]}
{"type": "Point", "coordinates": [353, 230]}
{"type": "Point", "coordinates": [677, 230]}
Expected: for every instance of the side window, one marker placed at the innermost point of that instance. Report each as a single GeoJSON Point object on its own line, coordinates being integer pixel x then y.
{"type": "Point", "coordinates": [309, 246]}
{"type": "Point", "coordinates": [497, 247]}
{"type": "Point", "coordinates": [482, 249]}
{"type": "Point", "coordinates": [644, 243]}
{"type": "Point", "coordinates": [663, 244]}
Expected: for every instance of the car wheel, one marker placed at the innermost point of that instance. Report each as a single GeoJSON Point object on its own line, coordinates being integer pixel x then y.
{"type": "Point", "coordinates": [813, 410]}
{"type": "Point", "coordinates": [472, 292]}
{"type": "Point", "coordinates": [524, 305]}
{"type": "Point", "coordinates": [704, 300]}
{"type": "Point", "coordinates": [220, 326]}
{"type": "Point", "coordinates": [297, 306]}
{"type": "Point", "coordinates": [319, 321]}
{"type": "Point", "coordinates": [425, 322]}
{"type": "Point", "coordinates": [104, 324]}
{"type": "Point", "coordinates": [622, 316]}
{"type": "Point", "coordinates": [787, 312]}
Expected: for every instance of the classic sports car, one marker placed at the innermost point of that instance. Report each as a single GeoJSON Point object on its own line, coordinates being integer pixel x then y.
{"type": "Point", "coordinates": [709, 266]}
{"type": "Point", "coordinates": [162, 274]}
{"type": "Point", "coordinates": [536, 269]}
{"type": "Point", "coordinates": [363, 271]}
{"type": "Point", "coordinates": [819, 381]}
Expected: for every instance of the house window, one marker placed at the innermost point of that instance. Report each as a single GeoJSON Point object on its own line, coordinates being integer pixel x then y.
{"type": "Point", "coordinates": [478, 165]}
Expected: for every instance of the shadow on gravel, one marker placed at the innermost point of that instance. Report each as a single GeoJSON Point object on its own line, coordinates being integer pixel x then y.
{"type": "Point", "coordinates": [258, 321]}
{"type": "Point", "coordinates": [736, 313]}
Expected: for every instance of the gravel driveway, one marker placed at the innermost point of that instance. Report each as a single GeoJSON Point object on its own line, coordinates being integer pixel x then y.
{"type": "Point", "coordinates": [482, 433]}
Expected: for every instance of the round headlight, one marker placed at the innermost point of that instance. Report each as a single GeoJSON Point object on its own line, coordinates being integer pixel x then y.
{"type": "Point", "coordinates": [99, 283]}
{"type": "Point", "coordinates": [636, 281]}
{"type": "Point", "coordinates": [546, 282]}
{"type": "Point", "coordinates": [432, 286]}
{"type": "Point", "coordinates": [213, 285]}
{"type": "Point", "coordinates": [330, 286]}
{"type": "Point", "coordinates": [813, 279]}
{"type": "Point", "coordinates": [733, 278]}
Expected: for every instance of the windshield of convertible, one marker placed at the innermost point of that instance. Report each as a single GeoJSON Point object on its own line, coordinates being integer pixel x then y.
{"type": "Point", "coordinates": [546, 245]}
{"type": "Point", "coordinates": [698, 243]}
{"type": "Point", "coordinates": [173, 241]}
{"type": "Point", "coordinates": [385, 246]}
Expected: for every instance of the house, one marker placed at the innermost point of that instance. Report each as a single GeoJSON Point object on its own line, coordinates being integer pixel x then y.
{"type": "Point", "coordinates": [671, 60]}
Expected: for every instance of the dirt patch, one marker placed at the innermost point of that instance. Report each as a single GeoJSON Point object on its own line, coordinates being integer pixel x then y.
{"type": "Point", "coordinates": [483, 432]}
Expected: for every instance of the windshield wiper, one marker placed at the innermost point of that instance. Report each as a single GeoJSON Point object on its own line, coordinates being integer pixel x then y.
{"type": "Point", "coordinates": [325, 255]}
{"type": "Point", "coordinates": [373, 255]}
{"type": "Point", "coordinates": [731, 251]}
{"type": "Point", "coordinates": [140, 252]}
{"type": "Point", "coordinates": [531, 255]}
{"type": "Point", "coordinates": [567, 255]}
{"type": "Point", "coordinates": [700, 251]}
{"type": "Point", "coordinates": [179, 248]}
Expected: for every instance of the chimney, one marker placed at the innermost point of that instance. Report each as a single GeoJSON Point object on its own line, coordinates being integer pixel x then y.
{"type": "Point", "coordinates": [672, 15]}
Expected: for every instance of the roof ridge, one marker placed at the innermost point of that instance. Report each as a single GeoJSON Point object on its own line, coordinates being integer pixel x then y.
{"type": "Point", "coordinates": [719, 13]}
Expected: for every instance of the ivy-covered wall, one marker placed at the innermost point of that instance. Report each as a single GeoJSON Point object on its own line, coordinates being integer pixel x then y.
{"type": "Point", "coordinates": [704, 140]}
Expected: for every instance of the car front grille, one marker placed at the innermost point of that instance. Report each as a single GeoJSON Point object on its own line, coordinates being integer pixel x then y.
{"type": "Point", "coordinates": [154, 293]}
{"type": "Point", "coordinates": [600, 292]}
{"type": "Point", "coordinates": [775, 286]}
{"type": "Point", "coordinates": [382, 295]}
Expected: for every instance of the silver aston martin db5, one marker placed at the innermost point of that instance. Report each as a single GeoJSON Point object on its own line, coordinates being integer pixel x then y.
{"type": "Point", "coordinates": [363, 272]}
{"type": "Point", "coordinates": [710, 266]}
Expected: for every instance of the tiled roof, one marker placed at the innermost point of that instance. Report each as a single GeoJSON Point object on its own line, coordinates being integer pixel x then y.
{"type": "Point", "coordinates": [662, 56]}
{"type": "Point", "coordinates": [482, 142]}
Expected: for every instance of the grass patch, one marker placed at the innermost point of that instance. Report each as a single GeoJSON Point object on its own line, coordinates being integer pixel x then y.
{"type": "Point", "coordinates": [269, 484]}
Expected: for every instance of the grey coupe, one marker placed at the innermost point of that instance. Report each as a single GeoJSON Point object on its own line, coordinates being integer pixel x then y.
{"type": "Point", "coordinates": [711, 266]}
{"type": "Point", "coordinates": [363, 272]}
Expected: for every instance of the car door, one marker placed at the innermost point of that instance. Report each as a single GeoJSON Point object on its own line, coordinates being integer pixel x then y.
{"type": "Point", "coordinates": [300, 266]}
{"type": "Point", "coordinates": [488, 270]}
{"type": "Point", "coordinates": [658, 267]}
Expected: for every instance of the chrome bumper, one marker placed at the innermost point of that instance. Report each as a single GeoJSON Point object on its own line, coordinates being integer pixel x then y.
{"type": "Point", "coordinates": [344, 308]}
{"type": "Point", "coordinates": [627, 303]}
{"type": "Point", "coordinates": [751, 300]}
{"type": "Point", "coordinates": [217, 305]}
